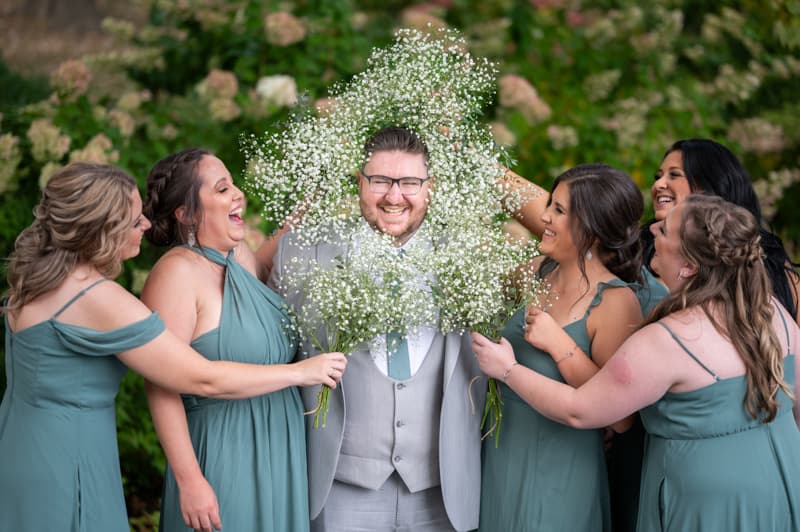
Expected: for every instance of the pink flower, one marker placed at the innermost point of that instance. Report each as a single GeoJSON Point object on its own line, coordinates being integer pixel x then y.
{"type": "Point", "coordinates": [502, 134]}
{"type": "Point", "coordinates": [516, 93]}
{"type": "Point", "coordinates": [283, 29]}
{"type": "Point", "coordinates": [71, 79]}
{"type": "Point", "coordinates": [224, 109]}
{"type": "Point", "coordinates": [420, 18]}
{"type": "Point", "coordinates": [546, 4]}
{"type": "Point", "coordinates": [576, 19]}
{"type": "Point", "coordinates": [219, 84]}
{"type": "Point", "coordinates": [325, 106]}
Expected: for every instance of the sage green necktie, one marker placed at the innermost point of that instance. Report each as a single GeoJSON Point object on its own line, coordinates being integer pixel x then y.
{"type": "Point", "coordinates": [397, 348]}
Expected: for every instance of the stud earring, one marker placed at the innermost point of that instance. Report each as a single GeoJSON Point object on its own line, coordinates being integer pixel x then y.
{"type": "Point", "coordinates": [589, 255]}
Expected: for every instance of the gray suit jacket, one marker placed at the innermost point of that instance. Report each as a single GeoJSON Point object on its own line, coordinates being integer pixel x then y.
{"type": "Point", "coordinates": [459, 432]}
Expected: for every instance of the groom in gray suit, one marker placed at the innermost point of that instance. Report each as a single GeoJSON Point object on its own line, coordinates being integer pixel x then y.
{"type": "Point", "coordinates": [401, 449]}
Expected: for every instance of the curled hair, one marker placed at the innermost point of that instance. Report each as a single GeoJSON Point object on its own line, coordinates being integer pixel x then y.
{"type": "Point", "coordinates": [172, 183]}
{"type": "Point", "coordinates": [84, 216]}
{"type": "Point", "coordinates": [605, 208]}
{"type": "Point", "coordinates": [711, 168]}
{"type": "Point", "coordinates": [395, 139]}
{"type": "Point", "coordinates": [733, 289]}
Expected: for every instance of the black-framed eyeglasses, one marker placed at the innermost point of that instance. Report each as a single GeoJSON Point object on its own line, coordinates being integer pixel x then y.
{"type": "Point", "coordinates": [380, 184]}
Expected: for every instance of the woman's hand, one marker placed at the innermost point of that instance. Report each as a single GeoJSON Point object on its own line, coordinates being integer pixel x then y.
{"type": "Point", "coordinates": [541, 329]}
{"type": "Point", "coordinates": [494, 358]}
{"type": "Point", "coordinates": [325, 368]}
{"type": "Point", "coordinates": [199, 505]}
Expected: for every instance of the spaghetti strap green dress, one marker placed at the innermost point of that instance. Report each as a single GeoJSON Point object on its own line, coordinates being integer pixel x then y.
{"type": "Point", "coordinates": [251, 451]}
{"type": "Point", "coordinates": [710, 466]}
{"type": "Point", "coordinates": [59, 463]}
{"type": "Point", "coordinates": [544, 476]}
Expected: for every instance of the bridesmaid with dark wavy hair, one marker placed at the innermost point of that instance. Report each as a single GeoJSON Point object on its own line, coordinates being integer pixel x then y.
{"type": "Point", "coordinates": [590, 239]}
{"type": "Point", "coordinates": [702, 165]}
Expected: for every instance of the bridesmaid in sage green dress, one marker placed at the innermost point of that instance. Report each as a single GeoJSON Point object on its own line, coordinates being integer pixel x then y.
{"type": "Point", "coordinates": [241, 463]}
{"type": "Point", "coordinates": [69, 336]}
{"type": "Point", "coordinates": [590, 266]}
{"type": "Point", "coordinates": [713, 373]}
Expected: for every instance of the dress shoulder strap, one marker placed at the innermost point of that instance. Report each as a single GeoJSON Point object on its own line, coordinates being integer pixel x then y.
{"type": "Point", "coordinates": [601, 287]}
{"type": "Point", "coordinates": [674, 337]}
{"type": "Point", "coordinates": [79, 294]}
{"type": "Point", "coordinates": [785, 327]}
{"type": "Point", "coordinates": [211, 254]}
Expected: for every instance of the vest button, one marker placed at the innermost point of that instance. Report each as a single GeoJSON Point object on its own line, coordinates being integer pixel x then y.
{"type": "Point", "coordinates": [400, 385]}
{"type": "Point", "coordinates": [400, 423]}
{"type": "Point", "coordinates": [397, 458]}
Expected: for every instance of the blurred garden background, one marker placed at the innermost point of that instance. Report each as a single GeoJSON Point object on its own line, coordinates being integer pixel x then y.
{"type": "Point", "coordinates": [127, 82]}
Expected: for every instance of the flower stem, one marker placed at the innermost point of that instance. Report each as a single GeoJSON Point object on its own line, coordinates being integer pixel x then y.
{"type": "Point", "coordinates": [493, 411]}
{"type": "Point", "coordinates": [323, 398]}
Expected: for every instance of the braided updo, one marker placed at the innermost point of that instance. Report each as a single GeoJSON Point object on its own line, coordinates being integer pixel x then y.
{"type": "Point", "coordinates": [172, 183]}
{"type": "Point", "coordinates": [84, 216]}
{"type": "Point", "coordinates": [733, 288]}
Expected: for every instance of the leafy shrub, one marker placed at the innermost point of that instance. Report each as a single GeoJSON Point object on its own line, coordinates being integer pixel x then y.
{"type": "Point", "coordinates": [600, 80]}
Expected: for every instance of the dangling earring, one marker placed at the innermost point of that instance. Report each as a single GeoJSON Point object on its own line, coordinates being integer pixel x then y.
{"type": "Point", "coordinates": [190, 238]}
{"type": "Point", "coordinates": [589, 255]}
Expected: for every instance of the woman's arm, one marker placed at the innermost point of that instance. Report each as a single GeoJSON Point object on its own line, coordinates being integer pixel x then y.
{"type": "Point", "coordinates": [169, 362]}
{"type": "Point", "coordinates": [639, 374]}
{"type": "Point", "coordinates": [525, 201]}
{"type": "Point", "coordinates": [265, 254]}
{"type": "Point", "coordinates": [198, 502]}
{"type": "Point", "coordinates": [609, 325]}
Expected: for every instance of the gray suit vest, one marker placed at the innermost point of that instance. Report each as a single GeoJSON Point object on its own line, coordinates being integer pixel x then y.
{"type": "Point", "coordinates": [392, 426]}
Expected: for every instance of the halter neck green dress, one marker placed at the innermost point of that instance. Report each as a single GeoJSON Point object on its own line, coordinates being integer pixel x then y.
{"type": "Point", "coordinates": [544, 475]}
{"type": "Point", "coordinates": [251, 451]}
{"type": "Point", "coordinates": [710, 466]}
{"type": "Point", "coordinates": [59, 463]}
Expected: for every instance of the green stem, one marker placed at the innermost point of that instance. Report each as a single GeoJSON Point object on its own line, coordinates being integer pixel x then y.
{"type": "Point", "coordinates": [493, 411]}
{"type": "Point", "coordinates": [323, 396]}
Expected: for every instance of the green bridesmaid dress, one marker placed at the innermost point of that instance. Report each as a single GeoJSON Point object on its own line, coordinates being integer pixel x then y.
{"type": "Point", "coordinates": [710, 466]}
{"type": "Point", "coordinates": [626, 452]}
{"type": "Point", "coordinates": [544, 476]}
{"type": "Point", "coordinates": [251, 451]}
{"type": "Point", "coordinates": [59, 464]}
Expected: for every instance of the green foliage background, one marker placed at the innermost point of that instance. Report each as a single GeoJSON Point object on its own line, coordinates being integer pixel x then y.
{"type": "Point", "coordinates": [622, 81]}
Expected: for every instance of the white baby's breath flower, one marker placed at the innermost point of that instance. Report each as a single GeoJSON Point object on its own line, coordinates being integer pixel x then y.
{"type": "Point", "coordinates": [467, 277]}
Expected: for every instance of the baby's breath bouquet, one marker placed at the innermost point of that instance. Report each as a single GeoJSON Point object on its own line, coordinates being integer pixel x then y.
{"type": "Point", "coordinates": [362, 294]}
{"type": "Point", "coordinates": [482, 278]}
{"type": "Point", "coordinates": [427, 82]}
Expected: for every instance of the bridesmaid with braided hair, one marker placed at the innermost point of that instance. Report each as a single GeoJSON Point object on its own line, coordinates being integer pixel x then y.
{"type": "Point", "coordinates": [239, 463]}
{"type": "Point", "coordinates": [70, 333]}
{"type": "Point", "coordinates": [713, 373]}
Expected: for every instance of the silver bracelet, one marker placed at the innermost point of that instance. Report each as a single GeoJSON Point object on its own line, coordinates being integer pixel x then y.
{"type": "Point", "coordinates": [568, 355]}
{"type": "Point", "coordinates": [508, 371]}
